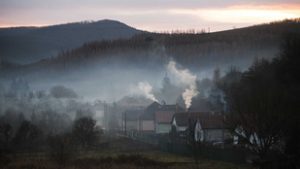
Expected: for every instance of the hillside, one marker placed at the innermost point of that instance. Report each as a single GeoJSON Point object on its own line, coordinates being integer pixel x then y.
{"type": "Point", "coordinates": [112, 69]}
{"type": "Point", "coordinates": [237, 47]}
{"type": "Point", "coordinates": [31, 44]}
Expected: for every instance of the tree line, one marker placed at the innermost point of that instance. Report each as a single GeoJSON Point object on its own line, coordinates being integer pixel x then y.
{"type": "Point", "coordinates": [83, 134]}
{"type": "Point", "coordinates": [263, 106]}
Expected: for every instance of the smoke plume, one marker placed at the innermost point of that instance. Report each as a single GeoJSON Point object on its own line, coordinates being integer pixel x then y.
{"type": "Point", "coordinates": [187, 79]}
{"type": "Point", "coordinates": [145, 89]}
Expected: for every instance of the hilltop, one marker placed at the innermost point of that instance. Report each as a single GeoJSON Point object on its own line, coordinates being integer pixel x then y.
{"type": "Point", "coordinates": [25, 45]}
{"type": "Point", "coordinates": [236, 47]}
{"type": "Point", "coordinates": [113, 67]}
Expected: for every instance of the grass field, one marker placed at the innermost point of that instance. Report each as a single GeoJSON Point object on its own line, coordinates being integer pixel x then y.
{"type": "Point", "coordinates": [120, 153]}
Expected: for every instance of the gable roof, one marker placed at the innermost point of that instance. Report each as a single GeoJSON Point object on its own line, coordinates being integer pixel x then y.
{"type": "Point", "coordinates": [164, 116]}
{"type": "Point", "coordinates": [207, 120]}
{"type": "Point", "coordinates": [172, 107]}
{"type": "Point", "coordinates": [149, 113]}
{"type": "Point", "coordinates": [132, 115]}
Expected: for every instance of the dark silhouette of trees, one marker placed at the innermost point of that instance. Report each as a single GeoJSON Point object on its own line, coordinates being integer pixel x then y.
{"type": "Point", "coordinates": [5, 142]}
{"type": "Point", "coordinates": [263, 107]}
{"type": "Point", "coordinates": [27, 136]}
{"type": "Point", "coordinates": [287, 69]}
{"type": "Point", "coordinates": [85, 132]}
{"type": "Point", "coordinates": [256, 106]}
{"type": "Point", "coordinates": [61, 148]}
{"type": "Point", "coordinates": [6, 133]}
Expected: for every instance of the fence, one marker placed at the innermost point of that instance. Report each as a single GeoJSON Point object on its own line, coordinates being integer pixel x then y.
{"type": "Point", "coordinates": [228, 153]}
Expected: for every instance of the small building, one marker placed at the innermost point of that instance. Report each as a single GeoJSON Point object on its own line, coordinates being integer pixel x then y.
{"type": "Point", "coordinates": [157, 118]}
{"type": "Point", "coordinates": [130, 121]}
{"type": "Point", "coordinates": [206, 126]}
{"type": "Point", "coordinates": [146, 120]}
{"type": "Point", "coordinates": [163, 118]}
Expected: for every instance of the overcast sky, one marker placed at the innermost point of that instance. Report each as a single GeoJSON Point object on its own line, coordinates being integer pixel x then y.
{"type": "Point", "coordinates": [151, 15]}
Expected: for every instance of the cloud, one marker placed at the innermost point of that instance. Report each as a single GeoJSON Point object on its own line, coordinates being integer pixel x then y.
{"type": "Point", "coordinates": [243, 14]}
{"type": "Point", "coordinates": [135, 4]}
{"type": "Point", "coordinates": [154, 15]}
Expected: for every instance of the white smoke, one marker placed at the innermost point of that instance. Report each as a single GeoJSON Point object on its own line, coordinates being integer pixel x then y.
{"type": "Point", "coordinates": [145, 89]}
{"type": "Point", "coordinates": [187, 79]}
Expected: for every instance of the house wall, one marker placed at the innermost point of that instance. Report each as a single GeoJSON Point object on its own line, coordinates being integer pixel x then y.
{"type": "Point", "coordinates": [213, 135]}
{"type": "Point", "coordinates": [162, 128]}
{"type": "Point", "coordinates": [227, 135]}
{"type": "Point", "coordinates": [147, 125]}
{"type": "Point", "coordinates": [178, 128]}
{"type": "Point", "coordinates": [131, 125]}
{"type": "Point", "coordinates": [181, 129]}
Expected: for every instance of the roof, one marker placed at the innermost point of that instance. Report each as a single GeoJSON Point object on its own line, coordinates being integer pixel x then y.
{"type": "Point", "coordinates": [172, 107]}
{"type": "Point", "coordinates": [149, 113]}
{"type": "Point", "coordinates": [207, 120]}
{"type": "Point", "coordinates": [132, 115]}
{"type": "Point", "coordinates": [200, 104]}
{"type": "Point", "coordinates": [164, 116]}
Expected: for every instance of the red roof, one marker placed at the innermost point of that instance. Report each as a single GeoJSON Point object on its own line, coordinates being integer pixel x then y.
{"type": "Point", "coordinates": [164, 116]}
{"type": "Point", "coordinates": [207, 120]}
{"type": "Point", "coordinates": [149, 113]}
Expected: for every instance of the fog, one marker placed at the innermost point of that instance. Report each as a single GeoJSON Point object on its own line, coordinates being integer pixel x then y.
{"type": "Point", "coordinates": [167, 81]}
{"type": "Point", "coordinates": [156, 101]}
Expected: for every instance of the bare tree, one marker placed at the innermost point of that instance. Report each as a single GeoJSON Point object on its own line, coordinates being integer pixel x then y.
{"type": "Point", "coordinates": [256, 105]}
{"type": "Point", "coordinates": [85, 131]}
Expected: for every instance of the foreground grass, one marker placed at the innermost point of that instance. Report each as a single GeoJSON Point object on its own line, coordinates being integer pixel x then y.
{"type": "Point", "coordinates": [121, 161]}
{"type": "Point", "coordinates": [121, 153]}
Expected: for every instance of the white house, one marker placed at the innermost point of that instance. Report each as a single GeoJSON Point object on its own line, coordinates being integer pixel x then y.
{"type": "Point", "coordinates": [207, 127]}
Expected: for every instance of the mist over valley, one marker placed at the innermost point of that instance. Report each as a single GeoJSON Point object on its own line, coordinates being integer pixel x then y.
{"type": "Point", "coordinates": [105, 94]}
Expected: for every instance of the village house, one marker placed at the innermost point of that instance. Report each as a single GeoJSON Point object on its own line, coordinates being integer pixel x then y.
{"type": "Point", "coordinates": [130, 121]}
{"type": "Point", "coordinates": [163, 118]}
{"type": "Point", "coordinates": [146, 120]}
{"type": "Point", "coordinates": [206, 126]}
{"type": "Point", "coordinates": [157, 118]}
{"type": "Point", "coordinates": [154, 119]}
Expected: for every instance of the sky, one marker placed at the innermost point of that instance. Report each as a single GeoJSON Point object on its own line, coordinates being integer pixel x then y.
{"type": "Point", "coordinates": [150, 15]}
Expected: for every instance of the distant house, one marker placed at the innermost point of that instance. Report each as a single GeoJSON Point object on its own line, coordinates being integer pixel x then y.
{"type": "Point", "coordinates": [157, 118]}
{"type": "Point", "coordinates": [163, 118]}
{"type": "Point", "coordinates": [146, 119]}
{"type": "Point", "coordinates": [130, 121]}
{"type": "Point", "coordinates": [205, 126]}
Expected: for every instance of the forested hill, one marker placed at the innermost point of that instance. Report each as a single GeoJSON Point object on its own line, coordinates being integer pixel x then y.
{"type": "Point", "coordinates": [30, 44]}
{"type": "Point", "coordinates": [236, 47]}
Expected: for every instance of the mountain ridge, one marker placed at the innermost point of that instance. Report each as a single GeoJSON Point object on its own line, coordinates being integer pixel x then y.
{"type": "Point", "coordinates": [29, 44]}
{"type": "Point", "coordinates": [104, 68]}
{"type": "Point", "coordinates": [268, 35]}
{"type": "Point", "coordinates": [236, 47]}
